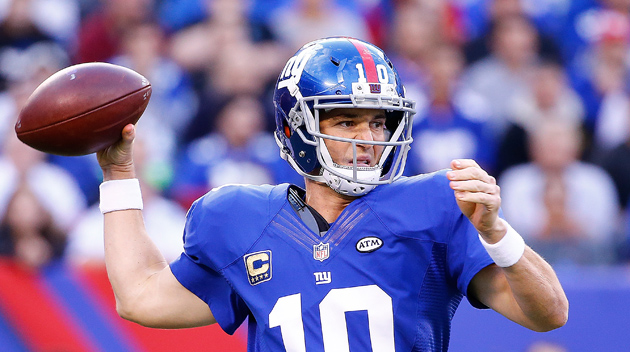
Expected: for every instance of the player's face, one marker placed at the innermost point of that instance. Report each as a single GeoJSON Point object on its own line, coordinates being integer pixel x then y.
{"type": "Point", "coordinates": [361, 124]}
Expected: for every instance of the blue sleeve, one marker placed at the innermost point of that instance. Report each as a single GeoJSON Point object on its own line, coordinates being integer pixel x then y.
{"type": "Point", "coordinates": [466, 255]}
{"type": "Point", "coordinates": [195, 272]}
{"type": "Point", "coordinates": [226, 305]}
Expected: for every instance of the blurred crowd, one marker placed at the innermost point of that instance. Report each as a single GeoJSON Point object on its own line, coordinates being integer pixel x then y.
{"type": "Point", "coordinates": [537, 91]}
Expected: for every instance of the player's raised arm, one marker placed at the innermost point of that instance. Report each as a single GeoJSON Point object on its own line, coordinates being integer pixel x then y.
{"type": "Point", "coordinates": [146, 290]}
{"type": "Point", "coordinates": [522, 286]}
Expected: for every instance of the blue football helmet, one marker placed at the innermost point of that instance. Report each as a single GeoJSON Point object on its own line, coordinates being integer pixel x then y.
{"type": "Point", "coordinates": [332, 73]}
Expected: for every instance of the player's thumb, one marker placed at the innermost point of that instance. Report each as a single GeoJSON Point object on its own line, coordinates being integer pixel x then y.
{"type": "Point", "coordinates": [124, 149]}
{"type": "Point", "coordinates": [120, 154]}
{"type": "Point", "coordinates": [128, 135]}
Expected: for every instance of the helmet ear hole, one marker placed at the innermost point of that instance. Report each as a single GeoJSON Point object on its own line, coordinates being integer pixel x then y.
{"type": "Point", "coordinates": [393, 120]}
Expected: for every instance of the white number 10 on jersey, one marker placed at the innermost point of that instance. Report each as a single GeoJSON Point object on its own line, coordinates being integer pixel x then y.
{"type": "Point", "coordinates": [287, 314]}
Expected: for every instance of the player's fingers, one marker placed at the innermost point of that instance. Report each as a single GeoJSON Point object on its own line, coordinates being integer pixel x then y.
{"type": "Point", "coordinates": [491, 201]}
{"type": "Point", "coordinates": [475, 186]}
{"type": "Point", "coordinates": [470, 173]}
{"type": "Point", "coordinates": [458, 164]}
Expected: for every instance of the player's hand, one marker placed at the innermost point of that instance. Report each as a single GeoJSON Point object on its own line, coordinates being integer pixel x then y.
{"type": "Point", "coordinates": [478, 197]}
{"type": "Point", "coordinates": [116, 161]}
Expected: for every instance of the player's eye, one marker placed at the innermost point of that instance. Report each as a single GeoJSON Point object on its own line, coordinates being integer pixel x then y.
{"type": "Point", "coordinates": [378, 124]}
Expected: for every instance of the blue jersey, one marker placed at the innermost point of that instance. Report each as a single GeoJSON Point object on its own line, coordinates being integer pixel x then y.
{"type": "Point", "coordinates": [387, 276]}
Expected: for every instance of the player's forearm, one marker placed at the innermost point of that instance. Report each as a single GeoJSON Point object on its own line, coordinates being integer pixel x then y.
{"type": "Point", "coordinates": [131, 259]}
{"type": "Point", "coordinates": [537, 292]}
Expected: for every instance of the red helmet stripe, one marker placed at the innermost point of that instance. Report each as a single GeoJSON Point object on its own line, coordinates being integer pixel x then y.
{"type": "Point", "coordinates": [368, 61]}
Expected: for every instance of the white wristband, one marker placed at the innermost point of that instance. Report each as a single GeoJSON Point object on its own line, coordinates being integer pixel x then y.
{"type": "Point", "coordinates": [508, 250]}
{"type": "Point", "coordinates": [120, 195]}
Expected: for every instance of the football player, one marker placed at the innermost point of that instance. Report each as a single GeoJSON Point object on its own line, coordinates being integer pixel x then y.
{"type": "Point", "coordinates": [361, 259]}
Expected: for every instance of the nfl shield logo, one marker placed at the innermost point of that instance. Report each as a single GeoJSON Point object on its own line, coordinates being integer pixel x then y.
{"type": "Point", "coordinates": [321, 251]}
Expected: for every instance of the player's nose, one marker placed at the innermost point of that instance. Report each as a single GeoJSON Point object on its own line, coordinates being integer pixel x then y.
{"type": "Point", "coordinates": [364, 133]}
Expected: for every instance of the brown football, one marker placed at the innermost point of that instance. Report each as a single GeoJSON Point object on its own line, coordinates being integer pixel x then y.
{"type": "Point", "coordinates": [82, 108]}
